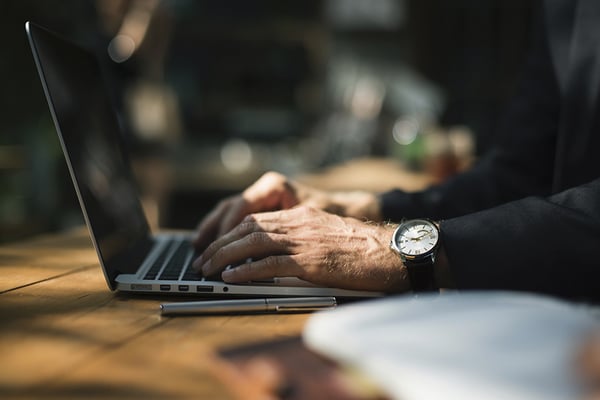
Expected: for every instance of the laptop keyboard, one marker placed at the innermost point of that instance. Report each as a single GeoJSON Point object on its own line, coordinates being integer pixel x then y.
{"type": "Point", "coordinates": [176, 256]}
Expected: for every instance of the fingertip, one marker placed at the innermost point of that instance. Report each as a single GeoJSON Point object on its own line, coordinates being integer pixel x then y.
{"type": "Point", "coordinates": [228, 275]}
{"type": "Point", "coordinates": [197, 264]}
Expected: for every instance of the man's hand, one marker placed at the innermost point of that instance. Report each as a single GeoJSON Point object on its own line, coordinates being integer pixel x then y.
{"type": "Point", "coordinates": [274, 191]}
{"type": "Point", "coordinates": [310, 244]}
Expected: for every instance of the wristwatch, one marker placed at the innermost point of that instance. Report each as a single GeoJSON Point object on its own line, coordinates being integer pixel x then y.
{"type": "Point", "coordinates": [417, 241]}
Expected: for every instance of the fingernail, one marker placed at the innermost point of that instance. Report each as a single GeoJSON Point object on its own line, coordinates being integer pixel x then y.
{"type": "Point", "coordinates": [228, 273]}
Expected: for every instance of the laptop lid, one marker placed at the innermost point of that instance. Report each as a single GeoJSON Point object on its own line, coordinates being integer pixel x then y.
{"type": "Point", "coordinates": [91, 142]}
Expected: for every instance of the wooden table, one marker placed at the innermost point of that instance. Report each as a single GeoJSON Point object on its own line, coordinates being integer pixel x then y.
{"type": "Point", "coordinates": [63, 334]}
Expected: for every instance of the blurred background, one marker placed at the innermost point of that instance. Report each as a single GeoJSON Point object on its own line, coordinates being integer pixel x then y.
{"type": "Point", "coordinates": [211, 94]}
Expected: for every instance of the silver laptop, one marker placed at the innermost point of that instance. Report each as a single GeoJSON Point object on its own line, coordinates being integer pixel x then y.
{"type": "Point", "coordinates": [131, 257]}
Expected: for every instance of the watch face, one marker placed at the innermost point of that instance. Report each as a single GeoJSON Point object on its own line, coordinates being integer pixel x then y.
{"type": "Point", "coordinates": [416, 237]}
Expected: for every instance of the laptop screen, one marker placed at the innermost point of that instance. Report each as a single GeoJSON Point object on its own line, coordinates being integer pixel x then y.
{"type": "Point", "coordinates": [90, 138]}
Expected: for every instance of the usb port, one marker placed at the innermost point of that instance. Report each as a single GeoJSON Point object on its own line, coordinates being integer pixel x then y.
{"type": "Point", "coordinates": [205, 289]}
{"type": "Point", "coordinates": [184, 288]}
{"type": "Point", "coordinates": [141, 286]}
{"type": "Point", "coordinates": [165, 288]}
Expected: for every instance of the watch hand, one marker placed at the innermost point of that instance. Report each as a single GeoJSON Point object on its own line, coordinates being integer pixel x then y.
{"type": "Point", "coordinates": [420, 237]}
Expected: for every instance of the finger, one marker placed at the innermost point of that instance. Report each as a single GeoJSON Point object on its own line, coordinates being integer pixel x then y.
{"type": "Point", "coordinates": [254, 245]}
{"type": "Point", "coordinates": [272, 191]}
{"type": "Point", "coordinates": [266, 189]}
{"type": "Point", "coordinates": [237, 233]}
{"type": "Point", "coordinates": [278, 218]}
{"type": "Point", "coordinates": [266, 268]}
{"type": "Point", "coordinates": [207, 229]}
{"type": "Point", "coordinates": [252, 223]}
{"type": "Point", "coordinates": [263, 195]}
{"type": "Point", "coordinates": [237, 211]}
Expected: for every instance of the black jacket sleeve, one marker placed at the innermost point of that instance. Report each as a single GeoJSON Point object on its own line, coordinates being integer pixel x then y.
{"type": "Point", "coordinates": [548, 245]}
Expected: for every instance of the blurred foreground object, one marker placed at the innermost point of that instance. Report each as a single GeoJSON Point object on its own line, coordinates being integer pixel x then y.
{"type": "Point", "coordinates": [492, 345]}
{"type": "Point", "coordinates": [589, 365]}
{"type": "Point", "coordinates": [285, 369]}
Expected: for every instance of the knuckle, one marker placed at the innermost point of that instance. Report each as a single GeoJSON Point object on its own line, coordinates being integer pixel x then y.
{"type": "Point", "coordinates": [274, 179]}
{"type": "Point", "coordinates": [248, 220]}
{"type": "Point", "coordinates": [272, 175]}
{"type": "Point", "coordinates": [271, 262]}
{"type": "Point", "coordinates": [306, 210]}
{"type": "Point", "coordinates": [219, 255]}
{"type": "Point", "coordinates": [210, 249]}
{"type": "Point", "coordinates": [245, 227]}
{"type": "Point", "coordinates": [256, 238]}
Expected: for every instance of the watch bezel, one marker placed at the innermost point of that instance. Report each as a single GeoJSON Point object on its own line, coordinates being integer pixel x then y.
{"type": "Point", "coordinates": [414, 257]}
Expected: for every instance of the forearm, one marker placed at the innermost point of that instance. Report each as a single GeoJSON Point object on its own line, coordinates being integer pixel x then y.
{"type": "Point", "coordinates": [496, 179]}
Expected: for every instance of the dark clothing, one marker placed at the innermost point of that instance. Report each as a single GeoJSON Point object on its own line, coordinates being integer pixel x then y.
{"type": "Point", "coordinates": [527, 216]}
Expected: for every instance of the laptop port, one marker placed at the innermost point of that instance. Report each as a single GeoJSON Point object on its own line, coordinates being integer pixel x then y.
{"type": "Point", "coordinates": [165, 288]}
{"type": "Point", "coordinates": [205, 289]}
{"type": "Point", "coordinates": [141, 286]}
{"type": "Point", "coordinates": [184, 288]}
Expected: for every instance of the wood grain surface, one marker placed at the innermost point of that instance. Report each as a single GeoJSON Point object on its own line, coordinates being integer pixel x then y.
{"type": "Point", "coordinates": [64, 334]}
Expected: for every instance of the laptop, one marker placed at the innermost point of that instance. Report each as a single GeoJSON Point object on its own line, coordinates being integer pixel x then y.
{"type": "Point", "coordinates": [132, 258]}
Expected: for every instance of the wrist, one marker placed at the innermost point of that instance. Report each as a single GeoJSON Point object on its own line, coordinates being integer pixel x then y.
{"type": "Point", "coordinates": [441, 267]}
{"type": "Point", "coordinates": [398, 281]}
{"type": "Point", "coordinates": [357, 204]}
{"type": "Point", "coordinates": [417, 243]}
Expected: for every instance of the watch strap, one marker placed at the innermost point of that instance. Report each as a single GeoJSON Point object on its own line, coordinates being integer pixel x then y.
{"type": "Point", "coordinates": [421, 276]}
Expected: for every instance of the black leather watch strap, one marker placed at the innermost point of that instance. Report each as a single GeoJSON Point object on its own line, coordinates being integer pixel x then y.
{"type": "Point", "coordinates": [421, 276]}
